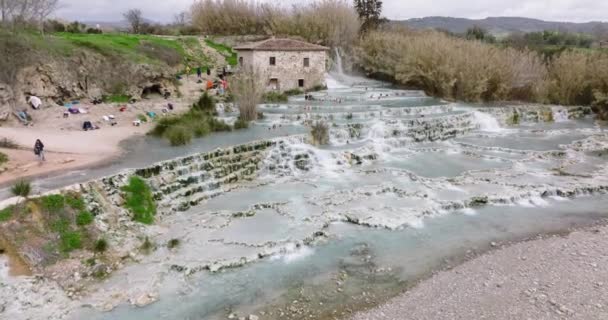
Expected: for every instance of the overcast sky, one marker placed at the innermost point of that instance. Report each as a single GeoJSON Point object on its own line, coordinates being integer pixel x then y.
{"type": "Point", "coordinates": [560, 10]}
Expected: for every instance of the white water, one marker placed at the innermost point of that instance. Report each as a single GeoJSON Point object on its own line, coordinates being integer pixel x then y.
{"type": "Point", "coordinates": [560, 114]}
{"type": "Point", "coordinates": [487, 123]}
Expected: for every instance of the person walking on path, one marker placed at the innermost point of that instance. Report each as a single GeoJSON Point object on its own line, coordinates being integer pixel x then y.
{"type": "Point", "coordinates": [39, 150]}
{"type": "Point", "coordinates": [188, 71]}
{"type": "Point", "coordinates": [199, 72]}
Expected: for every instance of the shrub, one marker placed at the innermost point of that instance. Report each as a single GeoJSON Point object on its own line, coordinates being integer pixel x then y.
{"type": "Point", "coordinates": [3, 158]}
{"type": "Point", "coordinates": [173, 243]}
{"type": "Point", "coordinates": [320, 133]}
{"type": "Point", "coordinates": [53, 203]}
{"type": "Point", "coordinates": [179, 135]}
{"type": "Point", "coordinates": [70, 241]}
{"type": "Point", "coordinates": [100, 246]}
{"type": "Point", "coordinates": [22, 189]}
{"type": "Point", "coordinates": [142, 117]}
{"type": "Point", "coordinates": [241, 124]}
{"type": "Point", "coordinates": [139, 200]}
{"type": "Point", "coordinates": [248, 91]}
{"type": "Point", "coordinates": [293, 92]}
{"type": "Point", "coordinates": [75, 201]}
{"type": "Point", "coordinates": [205, 103]}
{"type": "Point", "coordinates": [61, 225]}
{"type": "Point", "coordinates": [274, 97]}
{"type": "Point", "coordinates": [84, 218]}
{"type": "Point", "coordinates": [6, 214]}
{"type": "Point", "coordinates": [147, 246]}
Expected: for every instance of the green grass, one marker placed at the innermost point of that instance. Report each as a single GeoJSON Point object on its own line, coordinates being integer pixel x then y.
{"type": "Point", "coordinates": [75, 201]}
{"type": "Point", "coordinates": [231, 55]}
{"type": "Point", "coordinates": [139, 200]}
{"type": "Point", "coordinates": [84, 218]}
{"type": "Point", "coordinates": [275, 97]}
{"type": "Point", "coordinates": [53, 203]}
{"type": "Point", "coordinates": [198, 122]}
{"type": "Point", "coordinates": [6, 214]}
{"type": "Point", "coordinates": [117, 98]}
{"type": "Point", "coordinates": [3, 158]}
{"type": "Point", "coordinates": [70, 241]}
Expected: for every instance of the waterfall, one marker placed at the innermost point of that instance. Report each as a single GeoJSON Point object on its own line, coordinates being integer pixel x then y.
{"type": "Point", "coordinates": [560, 114]}
{"type": "Point", "coordinates": [486, 122]}
{"type": "Point", "coordinates": [339, 66]}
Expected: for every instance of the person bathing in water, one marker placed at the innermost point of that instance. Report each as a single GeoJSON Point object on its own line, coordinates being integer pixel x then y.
{"type": "Point", "coordinates": [39, 150]}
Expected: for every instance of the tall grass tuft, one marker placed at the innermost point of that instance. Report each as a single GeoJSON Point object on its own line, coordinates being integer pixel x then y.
{"type": "Point", "coordinates": [139, 200]}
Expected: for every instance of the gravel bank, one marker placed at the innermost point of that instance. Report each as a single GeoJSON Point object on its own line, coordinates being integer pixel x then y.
{"type": "Point", "coordinates": [550, 278]}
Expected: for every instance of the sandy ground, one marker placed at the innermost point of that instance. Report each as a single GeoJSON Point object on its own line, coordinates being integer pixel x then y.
{"type": "Point", "coordinates": [551, 278]}
{"type": "Point", "coordinates": [68, 147]}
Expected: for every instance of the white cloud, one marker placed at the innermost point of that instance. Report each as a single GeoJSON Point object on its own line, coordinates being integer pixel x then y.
{"type": "Point", "coordinates": [562, 10]}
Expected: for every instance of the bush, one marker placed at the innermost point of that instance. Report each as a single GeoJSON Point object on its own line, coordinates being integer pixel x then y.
{"type": "Point", "coordinates": [147, 246]}
{"type": "Point", "coordinates": [53, 203]}
{"type": "Point", "coordinates": [6, 214]}
{"type": "Point", "coordinates": [21, 189]}
{"type": "Point", "coordinates": [205, 103]}
{"type": "Point", "coordinates": [320, 133]}
{"type": "Point", "coordinates": [139, 200]}
{"type": "Point", "coordinates": [179, 135]}
{"type": "Point", "coordinates": [241, 124]}
{"type": "Point", "coordinates": [75, 201]}
{"type": "Point", "coordinates": [84, 218]}
{"type": "Point", "coordinates": [3, 158]}
{"type": "Point", "coordinates": [274, 97]}
{"type": "Point", "coordinates": [293, 92]}
{"type": "Point", "coordinates": [248, 91]}
{"type": "Point", "coordinates": [173, 243]}
{"type": "Point", "coordinates": [70, 241]}
{"type": "Point", "coordinates": [100, 246]}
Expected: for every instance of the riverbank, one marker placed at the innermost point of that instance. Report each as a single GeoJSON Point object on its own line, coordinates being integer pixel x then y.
{"type": "Point", "coordinates": [551, 277]}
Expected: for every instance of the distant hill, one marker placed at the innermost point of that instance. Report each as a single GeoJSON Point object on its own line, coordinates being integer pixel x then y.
{"type": "Point", "coordinates": [502, 25]}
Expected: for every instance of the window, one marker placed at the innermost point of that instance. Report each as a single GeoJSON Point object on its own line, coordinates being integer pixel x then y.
{"type": "Point", "coordinates": [273, 61]}
{"type": "Point", "coordinates": [240, 61]}
{"type": "Point", "coordinates": [306, 62]}
{"type": "Point", "coordinates": [301, 83]}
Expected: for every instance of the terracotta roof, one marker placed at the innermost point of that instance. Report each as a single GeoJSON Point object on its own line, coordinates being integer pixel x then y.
{"type": "Point", "coordinates": [281, 45]}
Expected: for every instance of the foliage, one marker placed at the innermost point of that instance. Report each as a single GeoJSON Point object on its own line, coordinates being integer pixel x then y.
{"type": "Point", "coordinates": [135, 19]}
{"type": "Point", "coordinates": [142, 117]}
{"type": "Point", "coordinates": [180, 135]}
{"type": "Point", "coordinates": [117, 98]}
{"type": "Point", "coordinates": [173, 243]}
{"type": "Point", "coordinates": [75, 201]}
{"type": "Point", "coordinates": [147, 246]}
{"type": "Point", "coordinates": [600, 105]}
{"type": "Point", "coordinates": [274, 97]}
{"type": "Point", "coordinates": [3, 158]}
{"type": "Point", "coordinates": [198, 122]}
{"type": "Point", "coordinates": [101, 246]}
{"type": "Point", "coordinates": [248, 91]}
{"type": "Point", "coordinates": [70, 241]}
{"type": "Point", "coordinates": [53, 203]}
{"type": "Point", "coordinates": [21, 189]}
{"type": "Point", "coordinates": [480, 34]}
{"type": "Point", "coordinates": [139, 200]}
{"type": "Point", "coordinates": [6, 214]}
{"type": "Point", "coordinates": [453, 68]}
{"type": "Point", "coordinates": [84, 218]}
{"type": "Point", "coordinates": [293, 92]}
{"type": "Point", "coordinates": [241, 124]}
{"type": "Point", "coordinates": [329, 22]}
{"type": "Point", "coordinates": [320, 133]}
{"type": "Point", "coordinates": [205, 103]}
{"type": "Point", "coordinates": [370, 13]}
{"type": "Point", "coordinates": [231, 55]}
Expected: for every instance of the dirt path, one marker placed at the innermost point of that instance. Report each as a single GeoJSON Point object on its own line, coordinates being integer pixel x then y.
{"type": "Point", "coordinates": [551, 278]}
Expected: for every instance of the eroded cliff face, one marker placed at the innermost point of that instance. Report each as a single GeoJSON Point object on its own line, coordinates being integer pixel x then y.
{"type": "Point", "coordinates": [85, 74]}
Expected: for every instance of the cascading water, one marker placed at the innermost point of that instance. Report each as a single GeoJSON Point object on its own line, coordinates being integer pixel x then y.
{"type": "Point", "coordinates": [487, 122]}
{"type": "Point", "coordinates": [397, 160]}
{"type": "Point", "coordinates": [560, 114]}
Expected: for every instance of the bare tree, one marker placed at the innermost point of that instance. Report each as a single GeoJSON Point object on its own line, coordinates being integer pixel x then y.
{"type": "Point", "coordinates": [7, 10]}
{"type": "Point", "coordinates": [248, 90]}
{"type": "Point", "coordinates": [181, 19]}
{"type": "Point", "coordinates": [135, 19]}
{"type": "Point", "coordinates": [42, 9]}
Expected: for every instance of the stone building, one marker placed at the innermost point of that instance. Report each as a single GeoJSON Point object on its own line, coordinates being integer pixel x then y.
{"type": "Point", "coordinates": [285, 64]}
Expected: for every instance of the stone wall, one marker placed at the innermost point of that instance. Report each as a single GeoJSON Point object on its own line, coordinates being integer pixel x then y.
{"type": "Point", "coordinates": [289, 67]}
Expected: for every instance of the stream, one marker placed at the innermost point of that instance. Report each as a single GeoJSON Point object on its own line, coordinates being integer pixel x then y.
{"type": "Point", "coordinates": [407, 185]}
